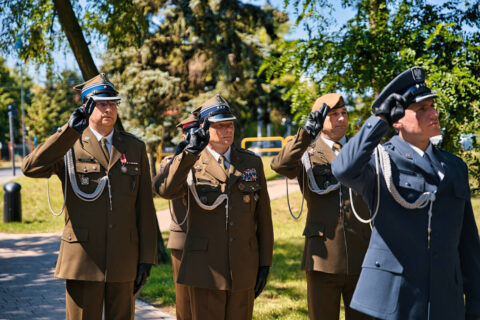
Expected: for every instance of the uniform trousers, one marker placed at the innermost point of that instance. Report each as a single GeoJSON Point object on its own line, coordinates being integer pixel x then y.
{"type": "Point", "coordinates": [212, 304]}
{"type": "Point", "coordinates": [85, 300]}
{"type": "Point", "coordinates": [323, 294]}
{"type": "Point", "coordinates": [182, 295]}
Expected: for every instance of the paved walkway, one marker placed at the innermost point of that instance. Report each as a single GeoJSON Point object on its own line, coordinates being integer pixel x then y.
{"type": "Point", "coordinates": [28, 289]}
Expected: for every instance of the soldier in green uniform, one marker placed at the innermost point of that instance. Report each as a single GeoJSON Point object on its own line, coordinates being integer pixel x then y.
{"type": "Point", "coordinates": [178, 226]}
{"type": "Point", "coordinates": [108, 244]}
{"type": "Point", "coordinates": [229, 244]}
{"type": "Point", "coordinates": [335, 241]}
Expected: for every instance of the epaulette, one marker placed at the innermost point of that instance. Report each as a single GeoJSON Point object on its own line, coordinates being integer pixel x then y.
{"type": "Point", "coordinates": [246, 151]}
{"type": "Point", "coordinates": [128, 134]}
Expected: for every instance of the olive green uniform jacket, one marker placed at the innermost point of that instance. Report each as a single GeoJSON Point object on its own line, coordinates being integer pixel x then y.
{"type": "Point", "coordinates": [99, 243]}
{"type": "Point", "coordinates": [335, 241]}
{"type": "Point", "coordinates": [176, 239]}
{"type": "Point", "coordinates": [222, 252]}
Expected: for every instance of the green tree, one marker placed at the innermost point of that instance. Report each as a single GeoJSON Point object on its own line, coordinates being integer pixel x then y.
{"type": "Point", "coordinates": [52, 105]}
{"type": "Point", "coordinates": [384, 38]}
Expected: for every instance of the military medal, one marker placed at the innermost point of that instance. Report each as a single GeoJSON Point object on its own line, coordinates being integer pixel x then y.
{"type": "Point", "coordinates": [123, 160]}
{"type": "Point", "coordinates": [310, 152]}
{"type": "Point", "coordinates": [84, 180]}
{"type": "Point", "coordinates": [246, 198]}
{"type": "Point", "coordinates": [198, 168]}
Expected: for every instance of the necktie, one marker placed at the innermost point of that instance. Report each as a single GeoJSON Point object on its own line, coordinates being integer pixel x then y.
{"type": "Point", "coordinates": [436, 167]}
{"type": "Point", "coordinates": [222, 161]}
{"type": "Point", "coordinates": [337, 146]}
{"type": "Point", "coordinates": [103, 144]}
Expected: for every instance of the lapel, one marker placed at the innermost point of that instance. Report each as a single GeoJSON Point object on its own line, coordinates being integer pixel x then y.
{"type": "Point", "coordinates": [212, 167]}
{"type": "Point", "coordinates": [236, 167]}
{"type": "Point", "coordinates": [118, 147]}
{"type": "Point", "coordinates": [407, 152]}
{"type": "Point", "coordinates": [91, 145]}
{"type": "Point", "coordinates": [325, 150]}
{"type": "Point", "coordinates": [443, 162]}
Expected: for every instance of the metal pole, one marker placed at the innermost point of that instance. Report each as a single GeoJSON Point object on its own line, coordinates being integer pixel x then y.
{"type": "Point", "coordinates": [23, 112]}
{"type": "Point", "coordinates": [10, 116]}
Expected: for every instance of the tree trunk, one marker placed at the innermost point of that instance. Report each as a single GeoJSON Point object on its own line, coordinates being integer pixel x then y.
{"type": "Point", "coordinates": [75, 37]}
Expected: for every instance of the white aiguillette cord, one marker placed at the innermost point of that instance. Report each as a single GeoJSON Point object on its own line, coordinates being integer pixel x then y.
{"type": "Point", "coordinates": [89, 197]}
{"type": "Point", "coordinates": [218, 201]}
{"type": "Point", "coordinates": [423, 200]}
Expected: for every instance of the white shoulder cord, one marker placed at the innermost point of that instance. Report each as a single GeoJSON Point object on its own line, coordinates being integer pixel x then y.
{"type": "Point", "coordinates": [64, 194]}
{"type": "Point", "coordinates": [312, 184]}
{"type": "Point", "coordinates": [423, 200]}
{"type": "Point", "coordinates": [217, 202]}
{"type": "Point", "coordinates": [303, 197]}
{"type": "Point", "coordinates": [70, 171]}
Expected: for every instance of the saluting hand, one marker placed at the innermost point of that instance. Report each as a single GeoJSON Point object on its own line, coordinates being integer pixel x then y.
{"type": "Point", "coordinates": [199, 139]}
{"type": "Point", "coordinates": [80, 116]}
{"type": "Point", "coordinates": [314, 123]}
{"type": "Point", "coordinates": [393, 108]}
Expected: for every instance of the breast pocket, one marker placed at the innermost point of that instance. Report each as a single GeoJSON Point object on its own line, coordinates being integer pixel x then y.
{"type": "Point", "coordinates": [250, 191]}
{"type": "Point", "coordinates": [88, 175]}
{"type": "Point", "coordinates": [208, 191]}
{"type": "Point", "coordinates": [411, 186]}
{"type": "Point", "coordinates": [323, 175]}
{"type": "Point", "coordinates": [130, 175]}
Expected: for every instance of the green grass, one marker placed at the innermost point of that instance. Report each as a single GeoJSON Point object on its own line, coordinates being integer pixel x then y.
{"type": "Point", "coordinates": [36, 216]}
{"type": "Point", "coordinates": [269, 173]}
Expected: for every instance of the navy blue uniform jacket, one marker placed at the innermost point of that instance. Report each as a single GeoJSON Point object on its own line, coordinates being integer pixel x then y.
{"type": "Point", "coordinates": [401, 277]}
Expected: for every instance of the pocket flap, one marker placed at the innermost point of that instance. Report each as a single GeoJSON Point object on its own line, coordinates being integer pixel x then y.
{"type": "Point", "coordinates": [133, 170]}
{"type": "Point", "coordinates": [411, 182]}
{"type": "Point", "coordinates": [75, 235]}
{"type": "Point", "coordinates": [249, 186]}
{"type": "Point", "coordinates": [314, 230]}
{"type": "Point", "coordinates": [196, 244]}
{"type": "Point", "coordinates": [87, 167]}
{"type": "Point", "coordinates": [382, 260]}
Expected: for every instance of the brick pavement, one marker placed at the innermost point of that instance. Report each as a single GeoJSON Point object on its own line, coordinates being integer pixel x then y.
{"type": "Point", "coordinates": [28, 289]}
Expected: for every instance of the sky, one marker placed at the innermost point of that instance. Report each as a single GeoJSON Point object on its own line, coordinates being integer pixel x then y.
{"type": "Point", "coordinates": [65, 60]}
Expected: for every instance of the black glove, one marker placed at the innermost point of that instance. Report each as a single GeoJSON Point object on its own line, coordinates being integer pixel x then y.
{"type": "Point", "coordinates": [471, 317]}
{"type": "Point", "coordinates": [180, 147]}
{"type": "Point", "coordinates": [261, 280]}
{"type": "Point", "coordinates": [199, 139]}
{"type": "Point", "coordinates": [79, 118]}
{"type": "Point", "coordinates": [393, 108]}
{"type": "Point", "coordinates": [143, 272]}
{"type": "Point", "coordinates": [315, 120]}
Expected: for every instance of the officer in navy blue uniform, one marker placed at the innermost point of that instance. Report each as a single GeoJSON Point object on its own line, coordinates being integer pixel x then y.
{"type": "Point", "coordinates": [423, 260]}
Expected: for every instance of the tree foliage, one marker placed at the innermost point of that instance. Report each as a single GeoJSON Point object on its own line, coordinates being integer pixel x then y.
{"type": "Point", "coordinates": [52, 105]}
{"type": "Point", "coordinates": [199, 48]}
{"type": "Point", "coordinates": [384, 38]}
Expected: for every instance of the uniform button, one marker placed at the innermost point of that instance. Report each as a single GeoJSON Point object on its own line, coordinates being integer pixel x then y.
{"type": "Point", "coordinates": [377, 264]}
{"type": "Point", "coordinates": [345, 224]}
{"type": "Point", "coordinates": [69, 238]}
{"type": "Point", "coordinates": [230, 207]}
{"type": "Point", "coordinates": [231, 239]}
{"type": "Point", "coordinates": [345, 207]}
{"type": "Point", "coordinates": [110, 226]}
{"type": "Point", "coordinates": [407, 184]}
{"type": "Point", "coordinates": [231, 223]}
{"type": "Point", "coordinates": [369, 125]}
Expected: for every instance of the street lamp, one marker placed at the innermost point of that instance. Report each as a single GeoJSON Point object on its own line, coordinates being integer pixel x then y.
{"type": "Point", "coordinates": [18, 46]}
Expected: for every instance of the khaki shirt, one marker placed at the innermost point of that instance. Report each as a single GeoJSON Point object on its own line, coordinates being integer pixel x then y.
{"type": "Point", "coordinates": [335, 241]}
{"type": "Point", "coordinates": [99, 244]}
{"type": "Point", "coordinates": [222, 252]}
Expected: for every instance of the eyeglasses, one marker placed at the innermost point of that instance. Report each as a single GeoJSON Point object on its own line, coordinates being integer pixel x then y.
{"type": "Point", "coordinates": [107, 104]}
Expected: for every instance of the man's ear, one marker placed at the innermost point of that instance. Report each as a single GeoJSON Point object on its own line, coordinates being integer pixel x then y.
{"type": "Point", "coordinates": [397, 125]}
